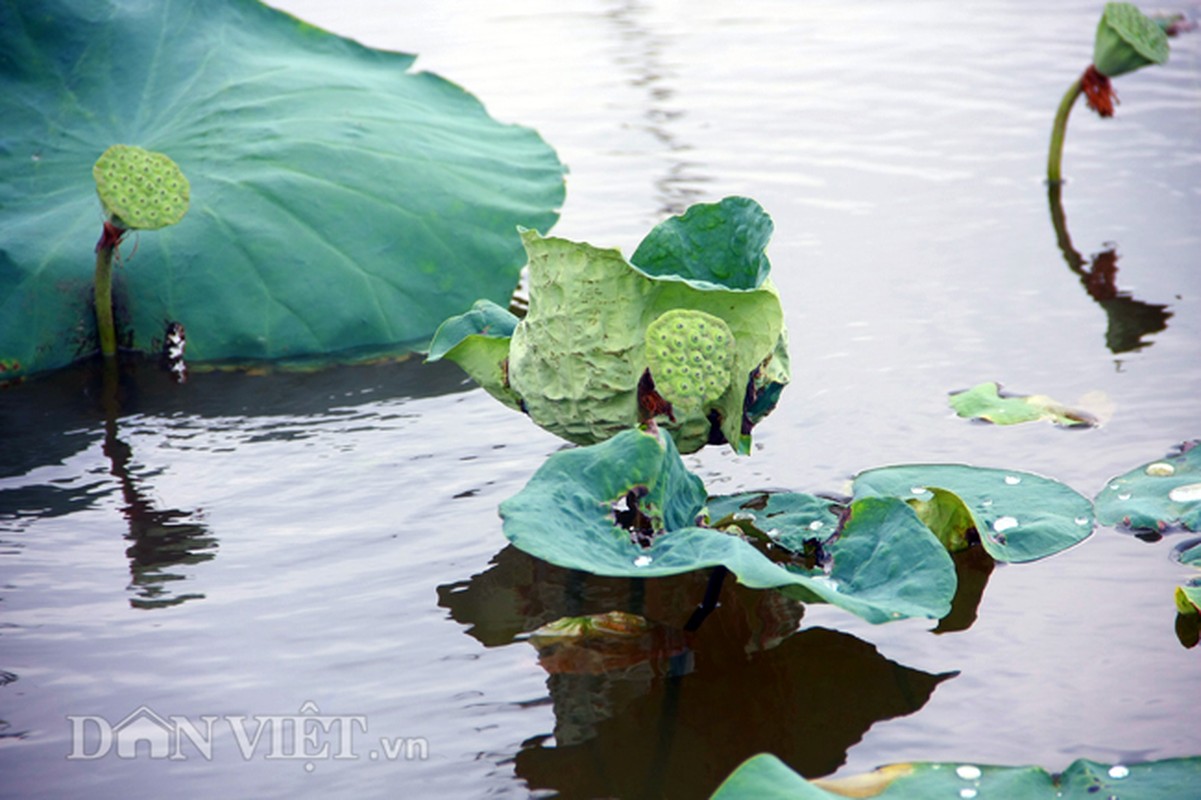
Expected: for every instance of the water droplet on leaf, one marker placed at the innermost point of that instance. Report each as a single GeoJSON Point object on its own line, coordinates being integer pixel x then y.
{"type": "Point", "coordinates": [1004, 524]}
{"type": "Point", "coordinates": [1118, 771]}
{"type": "Point", "coordinates": [968, 772]}
{"type": "Point", "coordinates": [1186, 494]}
{"type": "Point", "coordinates": [1160, 469]}
{"type": "Point", "coordinates": [642, 561]}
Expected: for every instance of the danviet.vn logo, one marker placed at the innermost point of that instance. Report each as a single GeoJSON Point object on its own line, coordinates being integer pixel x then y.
{"type": "Point", "coordinates": [308, 735]}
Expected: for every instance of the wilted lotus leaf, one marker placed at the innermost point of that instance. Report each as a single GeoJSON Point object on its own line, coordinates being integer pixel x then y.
{"type": "Point", "coordinates": [765, 775]}
{"type": "Point", "coordinates": [1017, 516]}
{"type": "Point", "coordinates": [628, 507]}
{"type": "Point", "coordinates": [987, 403]}
{"type": "Point", "coordinates": [1156, 495]}
{"type": "Point", "coordinates": [576, 359]}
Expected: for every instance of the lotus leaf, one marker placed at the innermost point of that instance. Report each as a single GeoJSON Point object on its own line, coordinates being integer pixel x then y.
{"type": "Point", "coordinates": [986, 402]}
{"type": "Point", "coordinates": [628, 507]}
{"type": "Point", "coordinates": [479, 342]}
{"type": "Point", "coordinates": [765, 776]}
{"type": "Point", "coordinates": [1156, 495]}
{"type": "Point", "coordinates": [338, 200]}
{"type": "Point", "coordinates": [1017, 515]}
{"type": "Point", "coordinates": [578, 357]}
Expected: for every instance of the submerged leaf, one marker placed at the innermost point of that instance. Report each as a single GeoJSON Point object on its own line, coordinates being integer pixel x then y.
{"type": "Point", "coordinates": [628, 507]}
{"type": "Point", "coordinates": [338, 200]}
{"type": "Point", "coordinates": [987, 403]}
{"type": "Point", "coordinates": [765, 776]}
{"type": "Point", "coordinates": [1018, 516]}
{"type": "Point", "coordinates": [1156, 495]}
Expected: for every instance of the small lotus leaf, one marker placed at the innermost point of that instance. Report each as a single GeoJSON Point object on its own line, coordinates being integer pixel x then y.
{"type": "Point", "coordinates": [765, 776]}
{"type": "Point", "coordinates": [1018, 516]}
{"type": "Point", "coordinates": [1127, 39]}
{"type": "Point", "coordinates": [627, 507]}
{"type": "Point", "coordinates": [478, 341]}
{"type": "Point", "coordinates": [985, 402]}
{"type": "Point", "coordinates": [1156, 495]}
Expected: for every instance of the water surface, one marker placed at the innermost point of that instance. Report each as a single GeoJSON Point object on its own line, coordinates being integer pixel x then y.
{"type": "Point", "coordinates": [246, 544]}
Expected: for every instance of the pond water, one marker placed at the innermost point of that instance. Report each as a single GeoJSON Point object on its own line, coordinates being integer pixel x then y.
{"type": "Point", "coordinates": [326, 544]}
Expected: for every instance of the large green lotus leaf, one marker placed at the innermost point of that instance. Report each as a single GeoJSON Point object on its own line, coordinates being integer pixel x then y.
{"type": "Point", "coordinates": [765, 776]}
{"type": "Point", "coordinates": [337, 200]}
{"type": "Point", "coordinates": [628, 507]}
{"type": "Point", "coordinates": [985, 402]}
{"type": "Point", "coordinates": [1018, 516]}
{"type": "Point", "coordinates": [1157, 495]}
{"type": "Point", "coordinates": [577, 356]}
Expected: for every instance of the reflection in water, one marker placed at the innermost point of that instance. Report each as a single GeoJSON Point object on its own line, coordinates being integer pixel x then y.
{"type": "Point", "coordinates": [676, 717]}
{"type": "Point", "coordinates": [159, 540]}
{"type": "Point", "coordinates": [973, 567]}
{"type": "Point", "coordinates": [641, 56]}
{"type": "Point", "coordinates": [1129, 319]}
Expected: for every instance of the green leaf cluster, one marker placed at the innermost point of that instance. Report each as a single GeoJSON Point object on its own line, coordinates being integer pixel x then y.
{"type": "Point", "coordinates": [629, 507]}
{"type": "Point", "coordinates": [597, 323]}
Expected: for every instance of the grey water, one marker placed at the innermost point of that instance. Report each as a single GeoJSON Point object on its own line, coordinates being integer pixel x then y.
{"type": "Point", "coordinates": [324, 546]}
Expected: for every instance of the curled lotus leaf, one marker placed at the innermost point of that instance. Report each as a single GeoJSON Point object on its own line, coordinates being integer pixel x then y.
{"type": "Point", "coordinates": [1157, 495]}
{"type": "Point", "coordinates": [575, 360]}
{"type": "Point", "coordinates": [627, 507]}
{"type": "Point", "coordinates": [1018, 516]}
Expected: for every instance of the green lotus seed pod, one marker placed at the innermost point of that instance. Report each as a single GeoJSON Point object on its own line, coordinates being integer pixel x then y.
{"type": "Point", "coordinates": [141, 189]}
{"type": "Point", "coordinates": [1127, 39]}
{"type": "Point", "coordinates": [690, 355]}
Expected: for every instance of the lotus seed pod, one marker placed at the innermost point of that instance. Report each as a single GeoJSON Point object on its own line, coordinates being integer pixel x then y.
{"type": "Point", "coordinates": [690, 355]}
{"type": "Point", "coordinates": [141, 189]}
{"type": "Point", "coordinates": [1127, 39]}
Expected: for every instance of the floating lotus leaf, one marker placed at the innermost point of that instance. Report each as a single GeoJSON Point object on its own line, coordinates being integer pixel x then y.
{"type": "Point", "coordinates": [765, 777]}
{"type": "Point", "coordinates": [1127, 39]}
{"type": "Point", "coordinates": [628, 507]}
{"type": "Point", "coordinates": [986, 402]}
{"type": "Point", "coordinates": [1018, 516]}
{"type": "Point", "coordinates": [1156, 495]}
{"type": "Point", "coordinates": [143, 190]}
{"type": "Point", "coordinates": [338, 199]}
{"type": "Point", "coordinates": [576, 359]}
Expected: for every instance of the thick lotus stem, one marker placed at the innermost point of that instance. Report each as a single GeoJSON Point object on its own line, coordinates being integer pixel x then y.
{"type": "Point", "coordinates": [1058, 130]}
{"type": "Point", "coordinates": [103, 290]}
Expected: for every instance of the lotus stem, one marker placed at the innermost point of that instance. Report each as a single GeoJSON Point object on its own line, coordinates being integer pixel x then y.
{"type": "Point", "coordinates": [104, 302]}
{"type": "Point", "coordinates": [1058, 130]}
